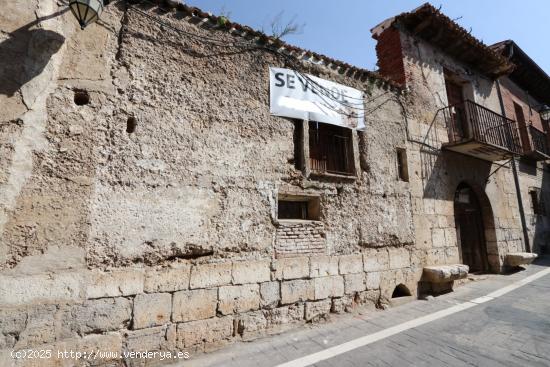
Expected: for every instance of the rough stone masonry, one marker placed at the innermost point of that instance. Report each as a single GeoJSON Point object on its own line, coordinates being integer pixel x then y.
{"type": "Point", "coordinates": [140, 171]}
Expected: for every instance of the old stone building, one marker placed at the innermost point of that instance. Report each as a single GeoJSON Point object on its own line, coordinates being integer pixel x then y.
{"type": "Point", "coordinates": [151, 201]}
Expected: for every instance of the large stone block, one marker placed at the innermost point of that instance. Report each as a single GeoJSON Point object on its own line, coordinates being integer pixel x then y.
{"type": "Point", "coordinates": [210, 275]}
{"type": "Point", "coordinates": [152, 309]}
{"type": "Point", "coordinates": [238, 298]}
{"type": "Point", "coordinates": [445, 273]}
{"type": "Point", "coordinates": [519, 258]}
{"type": "Point", "coordinates": [399, 258]}
{"type": "Point", "coordinates": [170, 279]}
{"type": "Point", "coordinates": [104, 314]}
{"type": "Point", "coordinates": [331, 286]}
{"type": "Point", "coordinates": [286, 315]}
{"type": "Point", "coordinates": [270, 294]}
{"type": "Point", "coordinates": [450, 237]}
{"type": "Point", "coordinates": [194, 305]}
{"type": "Point", "coordinates": [321, 266]}
{"type": "Point", "coordinates": [245, 272]}
{"type": "Point", "coordinates": [438, 237]}
{"type": "Point", "coordinates": [195, 333]}
{"type": "Point", "coordinates": [292, 268]}
{"type": "Point", "coordinates": [40, 327]}
{"type": "Point", "coordinates": [251, 324]}
{"type": "Point", "coordinates": [317, 310]}
{"type": "Point", "coordinates": [373, 280]}
{"type": "Point", "coordinates": [115, 284]}
{"type": "Point", "coordinates": [350, 264]}
{"type": "Point", "coordinates": [376, 260]}
{"type": "Point", "coordinates": [149, 339]}
{"type": "Point", "coordinates": [354, 283]}
{"type": "Point", "coordinates": [297, 290]}
{"type": "Point", "coordinates": [43, 288]}
{"type": "Point", "coordinates": [12, 320]}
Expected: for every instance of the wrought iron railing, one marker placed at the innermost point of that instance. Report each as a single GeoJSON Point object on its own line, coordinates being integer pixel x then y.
{"type": "Point", "coordinates": [471, 121]}
{"type": "Point", "coordinates": [539, 140]}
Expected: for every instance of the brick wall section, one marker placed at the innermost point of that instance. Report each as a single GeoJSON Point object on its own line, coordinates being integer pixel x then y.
{"type": "Point", "coordinates": [197, 310]}
{"type": "Point", "coordinates": [300, 239]}
{"type": "Point", "coordinates": [390, 55]}
{"type": "Point", "coordinates": [512, 93]}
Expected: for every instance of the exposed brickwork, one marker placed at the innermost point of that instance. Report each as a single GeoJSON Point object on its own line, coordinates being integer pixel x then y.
{"type": "Point", "coordinates": [300, 238]}
{"type": "Point", "coordinates": [390, 55]}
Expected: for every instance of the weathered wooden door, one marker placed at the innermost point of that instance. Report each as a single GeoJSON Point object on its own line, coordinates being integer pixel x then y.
{"type": "Point", "coordinates": [522, 126]}
{"type": "Point", "coordinates": [470, 229]}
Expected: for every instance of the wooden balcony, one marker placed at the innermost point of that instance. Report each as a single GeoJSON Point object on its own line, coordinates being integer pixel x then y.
{"type": "Point", "coordinates": [479, 132]}
{"type": "Point", "coordinates": [537, 148]}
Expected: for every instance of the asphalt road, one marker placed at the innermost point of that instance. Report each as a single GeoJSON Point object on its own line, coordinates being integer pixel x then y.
{"type": "Point", "coordinates": [510, 330]}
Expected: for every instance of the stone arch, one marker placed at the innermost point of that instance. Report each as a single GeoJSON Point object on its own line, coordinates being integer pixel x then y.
{"type": "Point", "coordinates": [488, 222]}
{"type": "Point", "coordinates": [401, 290]}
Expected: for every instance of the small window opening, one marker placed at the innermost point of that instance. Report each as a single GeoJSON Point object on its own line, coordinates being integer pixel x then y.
{"type": "Point", "coordinates": [131, 125]}
{"type": "Point", "coordinates": [537, 202]}
{"type": "Point", "coordinates": [401, 291]}
{"type": "Point", "coordinates": [331, 149]}
{"type": "Point", "coordinates": [298, 207]}
{"type": "Point", "coordinates": [81, 97]}
{"type": "Point", "coordinates": [402, 165]}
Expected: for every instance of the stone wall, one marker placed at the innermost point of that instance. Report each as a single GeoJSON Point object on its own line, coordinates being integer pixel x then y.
{"type": "Point", "coordinates": [144, 216]}
{"type": "Point", "coordinates": [190, 307]}
{"type": "Point", "coordinates": [437, 172]}
{"type": "Point", "coordinates": [166, 236]}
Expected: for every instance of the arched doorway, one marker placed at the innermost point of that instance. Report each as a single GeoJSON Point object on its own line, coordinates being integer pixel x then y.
{"type": "Point", "coordinates": [470, 229]}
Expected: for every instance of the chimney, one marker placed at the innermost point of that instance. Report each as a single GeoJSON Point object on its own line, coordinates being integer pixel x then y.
{"type": "Point", "coordinates": [390, 54]}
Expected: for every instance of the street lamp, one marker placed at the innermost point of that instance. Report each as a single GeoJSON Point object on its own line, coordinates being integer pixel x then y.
{"type": "Point", "coordinates": [86, 11]}
{"type": "Point", "coordinates": [545, 112]}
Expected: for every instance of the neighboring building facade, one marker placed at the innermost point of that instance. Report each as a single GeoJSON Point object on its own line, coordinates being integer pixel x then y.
{"type": "Point", "coordinates": [150, 201]}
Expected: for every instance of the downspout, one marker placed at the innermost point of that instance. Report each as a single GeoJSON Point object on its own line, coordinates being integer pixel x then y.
{"type": "Point", "coordinates": [516, 180]}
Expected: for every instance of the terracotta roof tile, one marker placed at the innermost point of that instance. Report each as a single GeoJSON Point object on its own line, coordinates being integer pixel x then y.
{"type": "Point", "coordinates": [274, 43]}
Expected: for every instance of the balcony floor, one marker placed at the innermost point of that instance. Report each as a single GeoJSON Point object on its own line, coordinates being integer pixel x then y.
{"type": "Point", "coordinates": [485, 151]}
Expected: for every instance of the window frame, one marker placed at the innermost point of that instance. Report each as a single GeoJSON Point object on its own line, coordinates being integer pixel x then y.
{"type": "Point", "coordinates": [402, 165]}
{"type": "Point", "coordinates": [313, 202]}
{"type": "Point", "coordinates": [353, 149]}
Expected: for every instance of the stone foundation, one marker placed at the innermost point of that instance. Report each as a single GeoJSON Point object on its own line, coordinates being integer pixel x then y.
{"type": "Point", "coordinates": [187, 307]}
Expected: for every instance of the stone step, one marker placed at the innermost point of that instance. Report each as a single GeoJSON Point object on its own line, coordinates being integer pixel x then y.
{"type": "Point", "coordinates": [445, 273]}
{"type": "Point", "coordinates": [520, 258]}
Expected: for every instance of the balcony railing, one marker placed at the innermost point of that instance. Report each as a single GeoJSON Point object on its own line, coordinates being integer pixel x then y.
{"type": "Point", "coordinates": [539, 141]}
{"type": "Point", "coordinates": [473, 124]}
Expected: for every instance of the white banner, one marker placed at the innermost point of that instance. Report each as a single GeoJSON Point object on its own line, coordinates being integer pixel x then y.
{"type": "Point", "coordinates": [306, 97]}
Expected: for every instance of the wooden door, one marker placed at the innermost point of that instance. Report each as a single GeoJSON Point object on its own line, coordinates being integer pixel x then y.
{"type": "Point", "coordinates": [522, 126]}
{"type": "Point", "coordinates": [470, 229]}
{"type": "Point", "coordinates": [455, 97]}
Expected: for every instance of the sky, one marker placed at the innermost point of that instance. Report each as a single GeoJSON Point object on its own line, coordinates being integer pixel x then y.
{"type": "Point", "coordinates": [341, 29]}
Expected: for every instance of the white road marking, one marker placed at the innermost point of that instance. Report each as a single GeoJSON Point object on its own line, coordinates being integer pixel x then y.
{"type": "Point", "coordinates": [371, 338]}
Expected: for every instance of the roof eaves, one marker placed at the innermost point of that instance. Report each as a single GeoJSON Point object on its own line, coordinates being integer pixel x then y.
{"type": "Point", "coordinates": [277, 45]}
{"type": "Point", "coordinates": [500, 65]}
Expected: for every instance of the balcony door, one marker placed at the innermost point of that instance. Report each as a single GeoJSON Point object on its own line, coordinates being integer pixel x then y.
{"type": "Point", "coordinates": [455, 97]}
{"type": "Point", "coordinates": [522, 125]}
